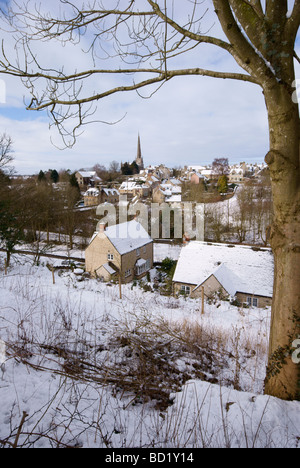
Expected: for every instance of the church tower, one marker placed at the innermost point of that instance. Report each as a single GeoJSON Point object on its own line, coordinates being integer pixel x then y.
{"type": "Point", "coordinates": [139, 158]}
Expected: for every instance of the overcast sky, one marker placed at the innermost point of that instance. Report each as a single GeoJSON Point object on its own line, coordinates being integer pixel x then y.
{"type": "Point", "coordinates": [189, 121]}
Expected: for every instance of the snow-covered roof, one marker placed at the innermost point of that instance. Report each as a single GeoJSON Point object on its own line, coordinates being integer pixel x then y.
{"type": "Point", "coordinates": [127, 236]}
{"type": "Point", "coordinates": [207, 172]}
{"type": "Point", "coordinates": [174, 198]}
{"type": "Point", "coordinates": [108, 268]}
{"type": "Point", "coordinates": [132, 185]}
{"type": "Point", "coordinates": [110, 191]}
{"type": "Point", "coordinates": [140, 262]}
{"type": "Point", "coordinates": [229, 280]}
{"type": "Point", "coordinates": [196, 168]}
{"type": "Point", "coordinates": [87, 173]}
{"type": "Point", "coordinates": [175, 181]}
{"type": "Point", "coordinates": [238, 268]}
{"type": "Point", "coordinates": [170, 189]}
{"type": "Point", "coordinates": [91, 192]}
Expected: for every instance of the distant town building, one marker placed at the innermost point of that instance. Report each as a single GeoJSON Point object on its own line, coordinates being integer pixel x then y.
{"type": "Point", "coordinates": [92, 197]}
{"type": "Point", "coordinates": [109, 195]}
{"type": "Point", "coordinates": [131, 188]}
{"type": "Point", "coordinates": [85, 178]}
{"type": "Point", "coordinates": [196, 178]}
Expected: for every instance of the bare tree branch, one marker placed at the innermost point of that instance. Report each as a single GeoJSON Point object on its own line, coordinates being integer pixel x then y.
{"type": "Point", "coordinates": [293, 22]}
{"type": "Point", "coordinates": [187, 33]}
{"type": "Point", "coordinates": [146, 42]}
{"type": "Point", "coordinates": [276, 11]}
{"type": "Point", "coordinates": [246, 55]}
{"type": "Point", "coordinates": [251, 21]}
{"type": "Point", "coordinates": [163, 76]}
{"type": "Point", "coordinates": [256, 4]}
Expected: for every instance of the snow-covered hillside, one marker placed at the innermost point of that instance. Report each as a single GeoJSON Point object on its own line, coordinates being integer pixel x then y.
{"type": "Point", "coordinates": [88, 369]}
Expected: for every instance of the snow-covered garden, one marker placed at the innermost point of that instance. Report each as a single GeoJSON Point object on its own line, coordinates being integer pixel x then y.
{"type": "Point", "coordinates": [82, 367]}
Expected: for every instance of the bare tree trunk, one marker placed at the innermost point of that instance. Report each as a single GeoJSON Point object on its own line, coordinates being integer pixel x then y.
{"type": "Point", "coordinates": [282, 378]}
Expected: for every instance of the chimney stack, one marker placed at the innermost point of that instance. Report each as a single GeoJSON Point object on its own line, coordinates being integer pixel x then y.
{"type": "Point", "coordinates": [186, 238]}
{"type": "Point", "coordinates": [102, 227]}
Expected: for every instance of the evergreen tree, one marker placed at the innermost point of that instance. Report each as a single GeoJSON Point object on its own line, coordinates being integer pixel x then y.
{"type": "Point", "coordinates": [134, 168]}
{"type": "Point", "coordinates": [126, 169]}
{"type": "Point", "coordinates": [54, 176]}
{"type": "Point", "coordinates": [42, 176]}
{"type": "Point", "coordinates": [222, 184]}
{"type": "Point", "coordinates": [73, 182]}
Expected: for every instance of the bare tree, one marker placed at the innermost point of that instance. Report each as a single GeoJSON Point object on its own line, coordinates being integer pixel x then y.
{"type": "Point", "coordinates": [114, 167]}
{"type": "Point", "coordinates": [214, 221]}
{"type": "Point", "coordinates": [242, 214]}
{"type": "Point", "coordinates": [220, 166]}
{"type": "Point", "coordinates": [145, 37]}
{"type": "Point", "coordinates": [6, 153]}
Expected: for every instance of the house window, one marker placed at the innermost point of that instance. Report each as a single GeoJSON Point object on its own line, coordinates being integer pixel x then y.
{"type": "Point", "coordinates": [141, 269]}
{"type": "Point", "coordinates": [110, 256]}
{"type": "Point", "coordinates": [185, 290]}
{"type": "Point", "coordinates": [137, 252]}
{"type": "Point", "coordinates": [252, 301]}
{"type": "Point", "coordinates": [127, 273]}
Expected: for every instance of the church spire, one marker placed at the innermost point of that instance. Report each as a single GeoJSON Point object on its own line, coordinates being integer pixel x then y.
{"type": "Point", "coordinates": [139, 158]}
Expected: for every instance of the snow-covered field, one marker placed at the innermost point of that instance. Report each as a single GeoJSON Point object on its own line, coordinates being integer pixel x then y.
{"type": "Point", "coordinates": [86, 368]}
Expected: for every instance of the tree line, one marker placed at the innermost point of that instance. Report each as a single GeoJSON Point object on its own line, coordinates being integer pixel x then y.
{"type": "Point", "coordinates": [32, 208]}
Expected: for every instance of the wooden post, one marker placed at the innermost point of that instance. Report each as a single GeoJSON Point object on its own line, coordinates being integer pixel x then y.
{"type": "Point", "coordinates": [5, 267]}
{"type": "Point", "coordinates": [120, 285]}
{"type": "Point", "coordinates": [202, 297]}
{"type": "Point", "coordinates": [53, 276]}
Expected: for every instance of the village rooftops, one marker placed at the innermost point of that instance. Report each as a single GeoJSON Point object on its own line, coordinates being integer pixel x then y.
{"type": "Point", "coordinates": [238, 268]}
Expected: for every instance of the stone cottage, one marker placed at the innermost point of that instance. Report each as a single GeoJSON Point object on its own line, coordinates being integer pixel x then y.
{"type": "Point", "coordinates": [238, 271]}
{"type": "Point", "coordinates": [122, 251]}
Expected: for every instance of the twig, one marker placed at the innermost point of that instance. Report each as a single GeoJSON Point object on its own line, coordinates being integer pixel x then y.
{"type": "Point", "coordinates": [15, 444]}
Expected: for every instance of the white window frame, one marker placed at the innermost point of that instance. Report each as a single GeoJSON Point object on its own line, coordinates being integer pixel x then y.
{"type": "Point", "coordinates": [184, 289]}
{"type": "Point", "coordinates": [144, 267]}
{"type": "Point", "coordinates": [110, 256]}
{"type": "Point", "coordinates": [141, 269]}
{"type": "Point", "coordinates": [137, 252]}
{"type": "Point", "coordinates": [127, 273]}
{"type": "Point", "coordinates": [252, 301]}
